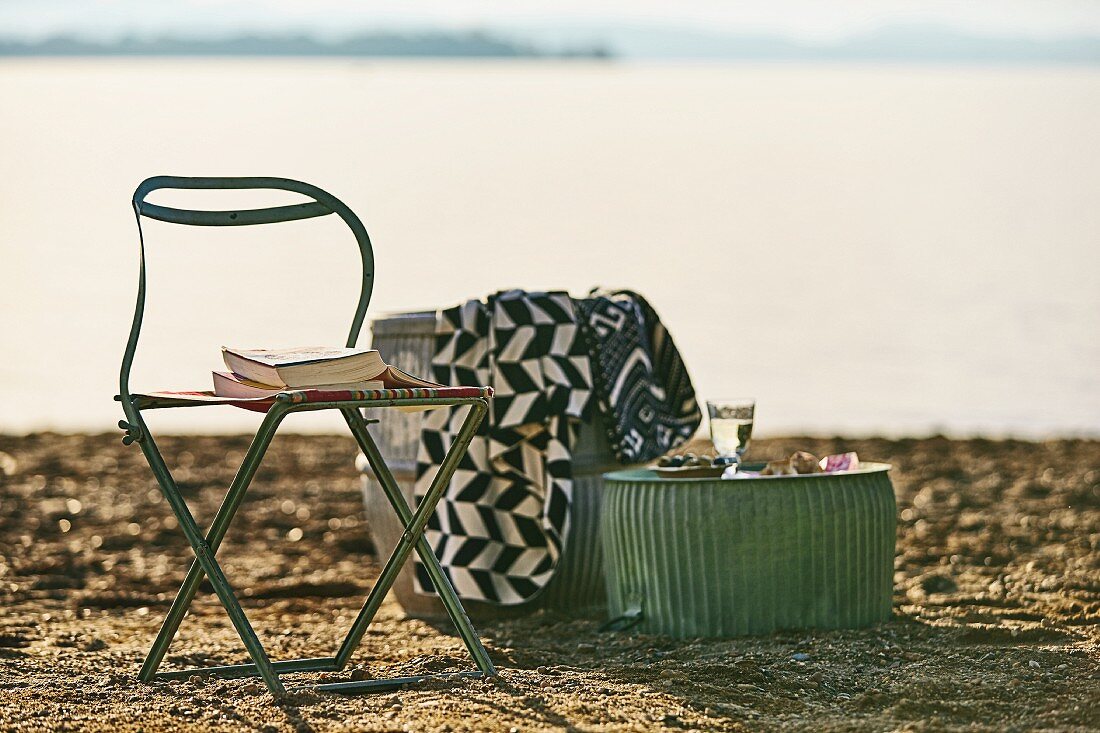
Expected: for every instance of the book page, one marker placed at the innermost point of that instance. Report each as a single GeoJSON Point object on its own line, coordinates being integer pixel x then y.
{"type": "Point", "coordinates": [295, 355]}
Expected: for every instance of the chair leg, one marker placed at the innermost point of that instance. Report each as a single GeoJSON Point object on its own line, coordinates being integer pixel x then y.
{"type": "Point", "coordinates": [204, 554]}
{"type": "Point", "coordinates": [214, 537]}
{"type": "Point", "coordinates": [413, 537]}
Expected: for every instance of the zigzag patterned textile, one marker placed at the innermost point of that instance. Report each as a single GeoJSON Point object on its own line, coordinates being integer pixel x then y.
{"type": "Point", "coordinates": [503, 521]}
{"type": "Point", "coordinates": [644, 389]}
{"type": "Point", "coordinates": [500, 528]}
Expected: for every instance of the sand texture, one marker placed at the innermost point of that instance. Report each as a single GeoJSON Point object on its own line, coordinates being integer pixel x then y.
{"type": "Point", "coordinates": [996, 607]}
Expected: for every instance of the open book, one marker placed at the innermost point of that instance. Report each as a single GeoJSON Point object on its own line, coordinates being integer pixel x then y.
{"type": "Point", "coordinates": [315, 367]}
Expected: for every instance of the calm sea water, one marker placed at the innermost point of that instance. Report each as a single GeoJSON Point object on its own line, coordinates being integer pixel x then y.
{"type": "Point", "coordinates": [863, 249]}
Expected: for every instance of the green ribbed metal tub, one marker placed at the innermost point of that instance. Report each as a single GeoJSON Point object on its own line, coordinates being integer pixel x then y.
{"type": "Point", "coordinates": [712, 557]}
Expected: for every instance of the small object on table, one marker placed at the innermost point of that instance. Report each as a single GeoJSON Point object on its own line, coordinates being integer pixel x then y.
{"type": "Point", "coordinates": [690, 471]}
{"type": "Point", "coordinates": [779, 468]}
{"type": "Point", "coordinates": [731, 426]}
{"type": "Point", "coordinates": [688, 465]}
{"type": "Point", "coordinates": [803, 462]}
{"type": "Point", "coordinates": [840, 462]}
{"type": "Point", "coordinates": [799, 463]}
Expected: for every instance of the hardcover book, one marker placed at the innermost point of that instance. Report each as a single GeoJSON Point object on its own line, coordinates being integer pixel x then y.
{"type": "Point", "coordinates": [311, 367]}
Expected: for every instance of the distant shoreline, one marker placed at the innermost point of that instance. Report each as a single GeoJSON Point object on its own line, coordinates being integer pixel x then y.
{"type": "Point", "coordinates": [901, 44]}
{"type": "Point", "coordinates": [381, 45]}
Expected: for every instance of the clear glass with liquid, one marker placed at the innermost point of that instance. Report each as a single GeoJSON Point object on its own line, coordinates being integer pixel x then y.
{"type": "Point", "coordinates": [731, 427]}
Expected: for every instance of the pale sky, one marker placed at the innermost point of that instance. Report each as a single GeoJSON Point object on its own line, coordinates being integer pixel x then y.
{"type": "Point", "coordinates": [802, 19]}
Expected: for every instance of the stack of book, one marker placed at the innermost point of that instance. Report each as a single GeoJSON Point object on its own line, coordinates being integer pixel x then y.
{"type": "Point", "coordinates": [258, 373]}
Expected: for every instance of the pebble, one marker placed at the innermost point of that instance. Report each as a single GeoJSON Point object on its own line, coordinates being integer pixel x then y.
{"type": "Point", "coordinates": [800, 657]}
{"type": "Point", "coordinates": [1033, 664]}
{"type": "Point", "coordinates": [95, 645]}
{"type": "Point", "coordinates": [544, 670]}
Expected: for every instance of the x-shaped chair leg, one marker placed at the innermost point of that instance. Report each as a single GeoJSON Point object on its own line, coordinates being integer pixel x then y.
{"type": "Point", "coordinates": [413, 538]}
{"type": "Point", "coordinates": [205, 549]}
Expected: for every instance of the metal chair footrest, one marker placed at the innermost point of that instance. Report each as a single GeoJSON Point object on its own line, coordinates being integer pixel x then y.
{"type": "Point", "coordinates": [233, 671]}
{"type": "Point", "coordinates": [393, 683]}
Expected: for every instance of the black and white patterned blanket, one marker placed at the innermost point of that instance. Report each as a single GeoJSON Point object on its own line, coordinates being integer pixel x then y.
{"type": "Point", "coordinates": [644, 390]}
{"type": "Point", "coordinates": [503, 522]}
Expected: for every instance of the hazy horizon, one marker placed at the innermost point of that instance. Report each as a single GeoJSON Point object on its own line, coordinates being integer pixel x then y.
{"type": "Point", "coordinates": [893, 43]}
{"type": "Point", "coordinates": [805, 20]}
{"type": "Point", "coordinates": [1023, 30]}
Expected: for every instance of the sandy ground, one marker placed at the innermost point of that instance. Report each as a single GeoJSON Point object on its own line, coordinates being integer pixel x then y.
{"type": "Point", "coordinates": [996, 625]}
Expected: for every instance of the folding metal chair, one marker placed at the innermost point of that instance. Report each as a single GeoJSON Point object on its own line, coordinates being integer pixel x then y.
{"type": "Point", "coordinates": [348, 403]}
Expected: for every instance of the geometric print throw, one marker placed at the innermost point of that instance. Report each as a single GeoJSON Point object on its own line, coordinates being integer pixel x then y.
{"type": "Point", "coordinates": [501, 525]}
{"type": "Point", "coordinates": [643, 387]}
{"type": "Point", "coordinates": [552, 360]}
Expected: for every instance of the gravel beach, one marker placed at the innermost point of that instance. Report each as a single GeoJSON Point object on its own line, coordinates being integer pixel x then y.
{"type": "Point", "coordinates": [996, 606]}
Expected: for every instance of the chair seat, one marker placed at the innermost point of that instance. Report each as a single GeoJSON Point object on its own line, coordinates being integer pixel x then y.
{"type": "Point", "coordinates": [157, 400]}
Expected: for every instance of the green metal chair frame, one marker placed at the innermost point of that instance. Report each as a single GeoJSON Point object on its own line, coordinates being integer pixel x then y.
{"type": "Point", "coordinates": [206, 545]}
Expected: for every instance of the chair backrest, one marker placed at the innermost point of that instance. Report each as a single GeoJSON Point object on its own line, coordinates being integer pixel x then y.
{"type": "Point", "coordinates": [322, 204]}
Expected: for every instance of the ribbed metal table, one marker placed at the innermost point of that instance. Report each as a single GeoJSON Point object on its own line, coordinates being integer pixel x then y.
{"type": "Point", "coordinates": [714, 557]}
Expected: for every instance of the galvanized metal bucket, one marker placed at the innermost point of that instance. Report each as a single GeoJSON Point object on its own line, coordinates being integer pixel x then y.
{"type": "Point", "coordinates": [713, 557]}
{"type": "Point", "coordinates": [407, 340]}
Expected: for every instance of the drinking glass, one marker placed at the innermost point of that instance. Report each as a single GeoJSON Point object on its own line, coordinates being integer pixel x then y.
{"type": "Point", "coordinates": [731, 427]}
